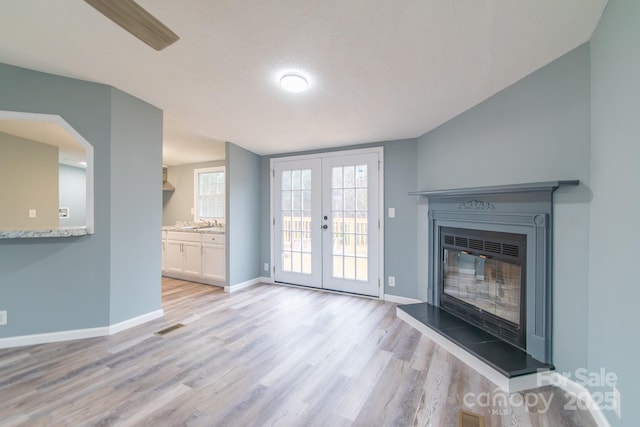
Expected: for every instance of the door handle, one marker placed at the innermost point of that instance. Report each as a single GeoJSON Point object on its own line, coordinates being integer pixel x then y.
{"type": "Point", "coordinates": [324, 227]}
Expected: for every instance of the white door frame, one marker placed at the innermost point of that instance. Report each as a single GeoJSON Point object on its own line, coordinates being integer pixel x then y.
{"type": "Point", "coordinates": [381, 217]}
{"type": "Point", "coordinates": [314, 278]}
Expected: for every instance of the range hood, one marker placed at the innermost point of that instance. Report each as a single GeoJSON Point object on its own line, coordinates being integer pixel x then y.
{"type": "Point", "coordinates": [166, 186]}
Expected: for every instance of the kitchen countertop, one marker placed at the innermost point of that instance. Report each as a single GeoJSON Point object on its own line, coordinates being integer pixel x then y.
{"type": "Point", "coordinates": [50, 232]}
{"type": "Point", "coordinates": [202, 230]}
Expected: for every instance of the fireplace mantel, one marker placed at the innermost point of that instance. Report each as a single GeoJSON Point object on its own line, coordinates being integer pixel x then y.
{"type": "Point", "coordinates": [549, 186]}
{"type": "Point", "coordinates": [525, 209]}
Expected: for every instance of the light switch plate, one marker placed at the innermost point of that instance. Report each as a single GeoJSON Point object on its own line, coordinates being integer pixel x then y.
{"type": "Point", "coordinates": [392, 212]}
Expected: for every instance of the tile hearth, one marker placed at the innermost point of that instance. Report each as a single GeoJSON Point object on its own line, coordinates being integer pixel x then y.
{"type": "Point", "coordinates": [508, 367]}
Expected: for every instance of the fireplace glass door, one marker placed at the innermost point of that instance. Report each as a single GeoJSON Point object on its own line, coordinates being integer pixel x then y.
{"type": "Point", "coordinates": [490, 285]}
{"type": "Point", "coordinates": [482, 280]}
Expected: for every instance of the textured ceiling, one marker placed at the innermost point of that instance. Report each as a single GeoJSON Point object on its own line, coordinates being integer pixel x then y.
{"type": "Point", "coordinates": [378, 69]}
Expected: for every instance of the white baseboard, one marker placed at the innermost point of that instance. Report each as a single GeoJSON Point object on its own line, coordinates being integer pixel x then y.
{"type": "Point", "coordinates": [582, 393]}
{"type": "Point", "coordinates": [194, 279]}
{"type": "Point", "coordinates": [130, 323]}
{"type": "Point", "coordinates": [267, 280]}
{"type": "Point", "coordinates": [400, 300]}
{"type": "Point", "coordinates": [243, 285]}
{"type": "Point", "coordinates": [77, 334]}
{"type": "Point", "coordinates": [49, 337]}
{"type": "Point", "coordinates": [328, 291]}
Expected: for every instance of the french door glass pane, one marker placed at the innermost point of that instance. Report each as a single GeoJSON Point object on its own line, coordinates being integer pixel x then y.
{"type": "Point", "coordinates": [296, 221]}
{"type": "Point", "coordinates": [350, 227]}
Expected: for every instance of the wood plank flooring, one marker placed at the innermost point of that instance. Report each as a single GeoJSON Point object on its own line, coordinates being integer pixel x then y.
{"type": "Point", "coordinates": [265, 356]}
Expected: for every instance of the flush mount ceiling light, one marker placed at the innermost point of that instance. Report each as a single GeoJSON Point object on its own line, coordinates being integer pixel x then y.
{"type": "Point", "coordinates": [294, 83]}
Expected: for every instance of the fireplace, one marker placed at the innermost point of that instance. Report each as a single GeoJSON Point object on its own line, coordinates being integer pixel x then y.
{"type": "Point", "coordinates": [489, 254]}
{"type": "Point", "coordinates": [487, 280]}
{"type": "Point", "coordinates": [482, 280]}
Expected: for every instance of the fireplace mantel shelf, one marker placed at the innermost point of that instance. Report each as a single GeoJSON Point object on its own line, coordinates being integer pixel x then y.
{"type": "Point", "coordinates": [497, 189]}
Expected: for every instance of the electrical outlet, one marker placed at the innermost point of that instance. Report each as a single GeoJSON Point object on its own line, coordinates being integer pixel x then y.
{"type": "Point", "coordinates": [617, 401]}
{"type": "Point", "coordinates": [32, 213]}
{"type": "Point", "coordinates": [266, 266]}
{"type": "Point", "coordinates": [3, 317]}
{"type": "Point", "coordinates": [392, 281]}
{"type": "Point", "coordinates": [392, 212]}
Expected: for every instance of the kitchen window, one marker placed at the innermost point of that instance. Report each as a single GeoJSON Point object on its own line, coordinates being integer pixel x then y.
{"type": "Point", "coordinates": [209, 195]}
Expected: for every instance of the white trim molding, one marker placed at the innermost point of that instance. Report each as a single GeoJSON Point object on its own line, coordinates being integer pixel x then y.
{"type": "Point", "coordinates": [328, 291]}
{"type": "Point", "coordinates": [243, 285]}
{"type": "Point", "coordinates": [50, 337]}
{"type": "Point", "coordinates": [196, 191]}
{"type": "Point", "coordinates": [580, 392]}
{"type": "Point", "coordinates": [267, 280]}
{"type": "Point", "coordinates": [193, 278]}
{"type": "Point", "coordinates": [396, 299]}
{"type": "Point", "coordinates": [88, 148]}
{"type": "Point", "coordinates": [77, 334]}
{"type": "Point", "coordinates": [136, 321]}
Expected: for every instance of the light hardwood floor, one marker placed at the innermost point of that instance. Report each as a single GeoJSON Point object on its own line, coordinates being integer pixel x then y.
{"type": "Point", "coordinates": [265, 356]}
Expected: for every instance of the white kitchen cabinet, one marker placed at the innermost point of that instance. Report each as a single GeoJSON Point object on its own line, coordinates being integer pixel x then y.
{"type": "Point", "coordinates": [213, 257]}
{"type": "Point", "coordinates": [192, 258]}
{"type": "Point", "coordinates": [199, 257]}
{"type": "Point", "coordinates": [183, 251]}
{"type": "Point", "coordinates": [175, 259]}
{"type": "Point", "coordinates": [164, 251]}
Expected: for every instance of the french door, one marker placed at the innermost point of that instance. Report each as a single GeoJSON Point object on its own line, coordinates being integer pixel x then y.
{"type": "Point", "coordinates": [326, 232]}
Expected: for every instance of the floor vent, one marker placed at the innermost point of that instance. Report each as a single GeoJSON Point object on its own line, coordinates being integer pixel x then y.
{"type": "Point", "coordinates": [169, 329]}
{"type": "Point", "coordinates": [469, 419]}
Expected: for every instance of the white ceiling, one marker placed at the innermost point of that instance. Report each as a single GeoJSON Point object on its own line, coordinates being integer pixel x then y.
{"type": "Point", "coordinates": [378, 69]}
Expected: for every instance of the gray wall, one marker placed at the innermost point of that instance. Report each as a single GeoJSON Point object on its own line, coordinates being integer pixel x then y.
{"type": "Point", "coordinates": [535, 130]}
{"type": "Point", "coordinates": [28, 180]}
{"type": "Point", "coordinates": [399, 234]}
{"type": "Point", "coordinates": [62, 284]}
{"type": "Point", "coordinates": [177, 205]}
{"type": "Point", "coordinates": [73, 195]}
{"type": "Point", "coordinates": [136, 203]}
{"type": "Point", "coordinates": [243, 214]}
{"type": "Point", "coordinates": [400, 245]}
{"type": "Point", "coordinates": [614, 293]}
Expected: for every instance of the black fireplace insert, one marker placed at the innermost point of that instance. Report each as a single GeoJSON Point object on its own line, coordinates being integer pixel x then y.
{"type": "Point", "coordinates": [482, 280]}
